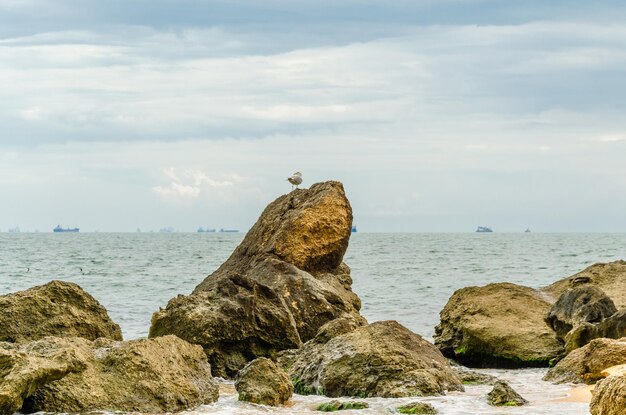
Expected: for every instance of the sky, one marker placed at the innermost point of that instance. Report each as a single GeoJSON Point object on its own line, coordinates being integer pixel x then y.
{"type": "Point", "coordinates": [437, 115]}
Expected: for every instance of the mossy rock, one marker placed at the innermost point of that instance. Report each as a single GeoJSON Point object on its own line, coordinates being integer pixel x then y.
{"type": "Point", "coordinates": [416, 408]}
{"type": "Point", "coordinates": [334, 405]}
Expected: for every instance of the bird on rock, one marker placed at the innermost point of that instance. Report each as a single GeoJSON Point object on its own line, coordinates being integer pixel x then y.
{"type": "Point", "coordinates": [295, 179]}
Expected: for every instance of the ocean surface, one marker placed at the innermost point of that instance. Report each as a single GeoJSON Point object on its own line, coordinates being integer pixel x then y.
{"type": "Point", "coordinates": [404, 277]}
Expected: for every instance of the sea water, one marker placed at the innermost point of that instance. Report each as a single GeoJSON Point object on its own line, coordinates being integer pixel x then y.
{"type": "Point", "coordinates": [404, 277]}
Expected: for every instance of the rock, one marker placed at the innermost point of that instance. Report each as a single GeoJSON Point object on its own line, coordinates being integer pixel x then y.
{"type": "Point", "coordinates": [281, 284]}
{"type": "Point", "coordinates": [416, 408]}
{"type": "Point", "coordinates": [609, 396]}
{"type": "Point", "coordinates": [613, 327]}
{"type": "Point", "coordinates": [381, 359]}
{"type": "Point", "coordinates": [504, 395]}
{"type": "Point", "coordinates": [471, 377]}
{"type": "Point", "coordinates": [58, 308]}
{"type": "Point", "coordinates": [333, 406]}
{"type": "Point", "coordinates": [78, 375]}
{"type": "Point", "coordinates": [584, 304]}
{"type": "Point", "coordinates": [262, 382]}
{"type": "Point", "coordinates": [609, 277]}
{"type": "Point", "coordinates": [26, 368]}
{"type": "Point", "coordinates": [585, 365]}
{"type": "Point", "coordinates": [497, 325]}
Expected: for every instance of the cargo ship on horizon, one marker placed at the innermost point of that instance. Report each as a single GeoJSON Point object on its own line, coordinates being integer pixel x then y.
{"type": "Point", "coordinates": [60, 229]}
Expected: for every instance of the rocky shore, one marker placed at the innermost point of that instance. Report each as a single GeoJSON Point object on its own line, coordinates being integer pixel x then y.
{"type": "Point", "coordinates": [280, 317]}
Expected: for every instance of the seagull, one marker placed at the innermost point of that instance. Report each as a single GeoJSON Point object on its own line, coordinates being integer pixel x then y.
{"type": "Point", "coordinates": [295, 179]}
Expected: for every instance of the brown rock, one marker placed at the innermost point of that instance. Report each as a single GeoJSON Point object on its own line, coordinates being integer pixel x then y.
{"type": "Point", "coordinates": [613, 327]}
{"type": "Point", "coordinates": [497, 325]}
{"type": "Point", "coordinates": [381, 359]}
{"type": "Point", "coordinates": [609, 396]}
{"type": "Point", "coordinates": [280, 285]}
{"type": "Point", "coordinates": [264, 383]}
{"type": "Point", "coordinates": [148, 375]}
{"type": "Point", "coordinates": [585, 365]}
{"type": "Point", "coordinates": [58, 308]}
{"type": "Point", "coordinates": [503, 395]}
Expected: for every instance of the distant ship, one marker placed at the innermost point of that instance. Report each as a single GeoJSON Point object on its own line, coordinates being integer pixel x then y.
{"type": "Point", "coordinates": [527, 230]}
{"type": "Point", "coordinates": [353, 229]}
{"type": "Point", "coordinates": [14, 230]}
{"type": "Point", "coordinates": [228, 230]}
{"type": "Point", "coordinates": [203, 230]}
{"type": "Point", "coordinates": [60, 229]}
{"type": "Point", "coordinates": [484, 229]}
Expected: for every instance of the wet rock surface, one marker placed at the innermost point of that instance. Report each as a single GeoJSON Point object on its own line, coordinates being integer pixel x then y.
{"type": "Point", "coordinates": [333, 406]}
{"type": "Point", "coordinates": [78, 375]}
{"type": "Point", "coordinates": [497, 325]}
{"type": "Point", "coordinates": [503, 394]}
{"type": "Point", "coordinates": [585, 365]}
{"type": "Point", "coordinates": [381, 359]}
{"type": "Point", "coordinates": [263, 382]}
{"type": "Point", "coordinates": [281, 284]}
{"type": "Point", "coordinates": [58, 308]}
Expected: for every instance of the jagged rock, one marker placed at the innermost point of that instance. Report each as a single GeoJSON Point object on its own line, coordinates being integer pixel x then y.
{"type": "Point", "coordinates": [613, 327]}
{"type": "Point", "coordinates": [381, 359]}
{"type": "Point", "coordinates": [584, 304]}
{"type": "Point", "coordinates": [333, 406]}
{"type": "Point", "coordinates": [262, 382]}
{"type": "Point", "coordinates": [416, 408]}
{"type": "Point", "coordinates": [57, 308]}
{"type": "Point", "coordinates": [77, 375]}
{"type": "Point", "coordinates": [609, 396]}
{"type": "Point", "coordinates": [585, 365]}
{"type": "Point", "coordinates": [497, 325]}
{"type": "Point", "coordinates": [503, 395]}
{"type": "Point", "coordinates": [609, 277]}
{"type": "Point", "coordinates": [471, 377]}
{"type": "Point", "coordinates": [280, 285]}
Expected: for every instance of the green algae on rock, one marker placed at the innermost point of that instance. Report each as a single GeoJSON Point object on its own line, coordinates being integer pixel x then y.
{"type": "Point", "coordinates": [333, 406]}
{"type": "Point", "coordinates": [416, 408]}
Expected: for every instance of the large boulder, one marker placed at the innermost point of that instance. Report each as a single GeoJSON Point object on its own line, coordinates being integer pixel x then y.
{"type": "Point", "coordinates": [262, 382]}
{"type": "Point", "coordinates": [281, 284]}
{"type": "Point", "coordinates": [584, 304]}
{"type": "Point", "coordinates": [77, 375]}
{"type": "Point", "coordinates": [609, 277]}
{"type": "Point", "coordinates": [586, 364]}
{"type": "Point", "coordinates": [497, 325]}
{"type": "Point", "coordinates": [58, 308]}
{"type": "Point", "coordinates": [609, 396]}
{"type": "Point", "coordinates": [381, 359]}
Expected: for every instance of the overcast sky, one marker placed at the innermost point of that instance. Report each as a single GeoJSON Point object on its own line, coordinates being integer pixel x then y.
{"type": "Point", "coordinates": [437, 115]}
